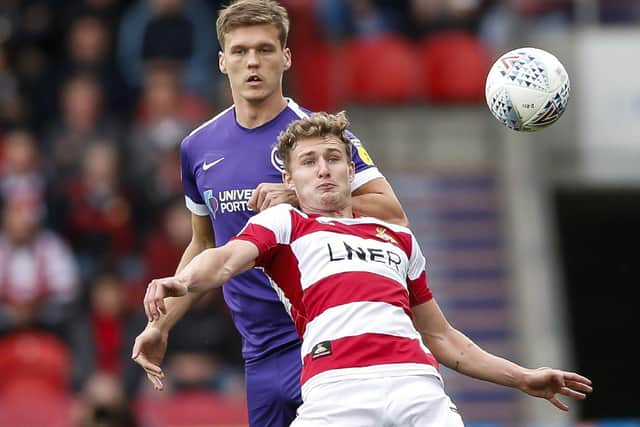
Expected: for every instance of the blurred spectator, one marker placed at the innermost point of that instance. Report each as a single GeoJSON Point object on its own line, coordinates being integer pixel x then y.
{"type": "Point", "coordinates": [432, 16]}
{"type": "Point", "coordinates": [165, 116]}
{"type": "Point", "coordinates": [38, 274]}
{"type": "Point", "coordinates": [107, 10]}
{"type": "Point", "coordinates": [20, 169]}
{"type": "Point", "coordinates": [103, 403]}
{"type": "Point", "coordinates": [504, 19]}
{"type": "Point", "coordinates": [88, 52]}
{"type": "Point", "coordinates": [109, 322]}
{"type": "Point", "coordinates": [204, 349]}
{"type": "Point", "coordinates": [11, 105]}
{"type": "Point", "coordinates": [163, 248]}
{"type": "Point", "coordinates": [360, 18]}
{"type": "Point", "coordinates": [177, 30]}
{"type": "Point", "coordinates": [82, 120]}
{"type": "Point", "coordinates": [34, 33]}
{"type": "Point", "coordinates": [99, 210]}
{"type": "Point", "coordinates": [39, 284]}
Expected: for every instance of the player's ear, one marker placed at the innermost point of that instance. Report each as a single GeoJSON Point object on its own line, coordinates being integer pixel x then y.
{"type": "Point", "coordinates": [352, 172]}
{"type": "Point", "coordinates": [287, 58]}
{"type": "Point", "coordinates": [221, 62]}
{"type": "Point", "coordinates": [286, 180]}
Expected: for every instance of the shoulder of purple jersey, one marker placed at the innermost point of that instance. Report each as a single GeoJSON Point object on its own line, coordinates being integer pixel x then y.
{"type": "Point", "coordinates": [352, 137]}
{"type": "Point", "coordinates": [209, 125]}
{"type": "Point", "coordinates": [299, 111]}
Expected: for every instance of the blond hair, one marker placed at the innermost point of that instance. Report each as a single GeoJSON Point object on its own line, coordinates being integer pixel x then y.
{"type": "Point", "coordinates": [316, 125]}
{"type": "Point", "coordinates": [243, 13]}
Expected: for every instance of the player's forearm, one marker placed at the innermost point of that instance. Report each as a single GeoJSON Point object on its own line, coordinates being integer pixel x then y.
{"type": "Point", "coordinates": [456, 351]}
{"type": "Point", "coordinates": [178, 306]}
{"type": "Point", "coordinates": [207, 270]}
{"type": "Point", "coordinates": [381, 206]}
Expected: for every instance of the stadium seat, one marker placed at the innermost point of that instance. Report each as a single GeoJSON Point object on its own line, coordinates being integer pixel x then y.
{"type": "Point", "coordinates": [33, 364]}
{"type": "Point", "coordinates": [35, 411]}
{"type": "Point", "coordinates": [317, 78]}
{"type": "Point", "coordinates": [193, 408]}
{"type": "Point", "coordinates": [381, 70]}
{"type": "Point", "coordinates": [454, 66]}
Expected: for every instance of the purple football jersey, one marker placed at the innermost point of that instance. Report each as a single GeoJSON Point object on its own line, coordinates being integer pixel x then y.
{"type": "Point", "coordinates": [222, 163]}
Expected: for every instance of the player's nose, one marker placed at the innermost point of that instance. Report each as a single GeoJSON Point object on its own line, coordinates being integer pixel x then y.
{"type": "Point", "coordinates": [252, 58]}
{"type": "Point", "coordinates": [323, 167]}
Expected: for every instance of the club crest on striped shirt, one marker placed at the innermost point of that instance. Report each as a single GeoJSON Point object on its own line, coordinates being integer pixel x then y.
{"type": "Point", "coordinates": [381, 233]}
{"type": "Point", "coordinates": [321, 349]}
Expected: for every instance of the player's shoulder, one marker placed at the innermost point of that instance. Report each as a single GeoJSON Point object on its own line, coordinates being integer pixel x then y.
{"type": "Point", "coordinates": [282, 216]}
{"type": "Point", "coordinates": [296, 110]}
{"type": "Point", "coordinates": [211, 125]}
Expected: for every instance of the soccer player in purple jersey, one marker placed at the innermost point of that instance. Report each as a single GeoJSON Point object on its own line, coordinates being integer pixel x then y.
{"type": "Point", "coordinates": [230, 170]}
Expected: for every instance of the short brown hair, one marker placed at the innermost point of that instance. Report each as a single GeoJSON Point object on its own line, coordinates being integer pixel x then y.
{"type": "Point", "coordinates": [243, 13]}
{"type": "Point", "coordinates": [317, 124]}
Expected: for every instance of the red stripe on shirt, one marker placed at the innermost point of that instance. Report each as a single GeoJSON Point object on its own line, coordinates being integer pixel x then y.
{"type": "Point", "coordinates": [281, 265]}
{"type": "Point", "coordinates": [366, 350]}
{"type": "Point", "coordinates": [260, 236]}
{"type": "Point", "coordinates": [345, 288]}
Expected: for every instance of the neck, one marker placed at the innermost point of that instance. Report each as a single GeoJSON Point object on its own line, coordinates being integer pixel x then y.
{"type": "Point", "coordinates": [344, 212]}
{"type": "Point", "coordinates": [253, 114]}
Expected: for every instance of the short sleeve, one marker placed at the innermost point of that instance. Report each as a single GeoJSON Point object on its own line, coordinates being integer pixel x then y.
{"type": "Point", "coordinates": [419, 291]}
{"type": "Point", "coordinates": [269, 228]}
{"type": "Point", "coordinates": [366, 170]}
{"type": "Point", "coordinates": [192, 197]}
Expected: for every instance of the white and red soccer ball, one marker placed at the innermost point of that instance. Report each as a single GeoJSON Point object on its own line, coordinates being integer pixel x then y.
{"type": "Point", "coordinates": [527, 89]}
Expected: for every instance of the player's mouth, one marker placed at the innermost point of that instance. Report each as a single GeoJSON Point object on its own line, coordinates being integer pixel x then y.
{"type": "Point", "coordinates": [254, 79]}
{"type": "Point", "coordinates": [326, 186]}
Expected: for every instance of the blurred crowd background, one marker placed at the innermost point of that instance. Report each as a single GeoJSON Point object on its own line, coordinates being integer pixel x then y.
{"type": "Point", "coordinates": [95, 97]}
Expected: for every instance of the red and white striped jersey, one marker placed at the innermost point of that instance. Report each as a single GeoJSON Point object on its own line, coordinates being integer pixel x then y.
{"type": "Point", "coordinates": [348, 284]}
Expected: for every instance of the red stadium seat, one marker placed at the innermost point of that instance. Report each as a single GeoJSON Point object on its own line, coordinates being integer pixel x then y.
{"type": "Point", "coordinates": [381, 70]}
{"type": "Point", "coordinates": [193, 409]}
{"type": "Point", "coordinates": [454, 65]}
{"type": "Point", "coordinates": [34, 411]}
{"type": "Point", "coordinates": [33, 364]}
{"type": "Point", "coordinates": [317, 80]}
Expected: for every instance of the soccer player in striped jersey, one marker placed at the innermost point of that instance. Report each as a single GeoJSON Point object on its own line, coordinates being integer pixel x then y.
{"type": "Point", "coordinates": [372, 332]}
{"type": "Point", "coordinates": [230, 170]}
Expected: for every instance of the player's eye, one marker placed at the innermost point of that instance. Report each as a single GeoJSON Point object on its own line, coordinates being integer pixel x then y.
{"type": "Point", "coordinates": [308, 162]}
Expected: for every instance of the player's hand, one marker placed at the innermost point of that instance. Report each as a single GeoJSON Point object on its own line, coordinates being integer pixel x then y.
{"type": "Point", "coordinates": [547, 382]}
{"type": "Point", "coordinates": [148, 352]}
{"type": "Point", "coordinates": [270, 194]}
{"type": "Point", "coordinates": [157, 291]}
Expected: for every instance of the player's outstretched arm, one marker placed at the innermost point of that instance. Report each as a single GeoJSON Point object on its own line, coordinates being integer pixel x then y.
{"type": "Point", "coordinates": [456, 351]}
{"type": "Point", "coordinates": [150, 345]}
{"type": "Point", "coordinates": [209, 269]}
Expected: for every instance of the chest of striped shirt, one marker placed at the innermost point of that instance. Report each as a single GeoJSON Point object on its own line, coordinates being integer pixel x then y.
{"type": "Point", "coordinates": [348, 284]}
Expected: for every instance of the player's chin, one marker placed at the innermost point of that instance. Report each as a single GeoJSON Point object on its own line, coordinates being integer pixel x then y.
{"type": "Point", "coordinates": [331, 199]}
{"type": "Point", "coordinates": [255, 94]}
